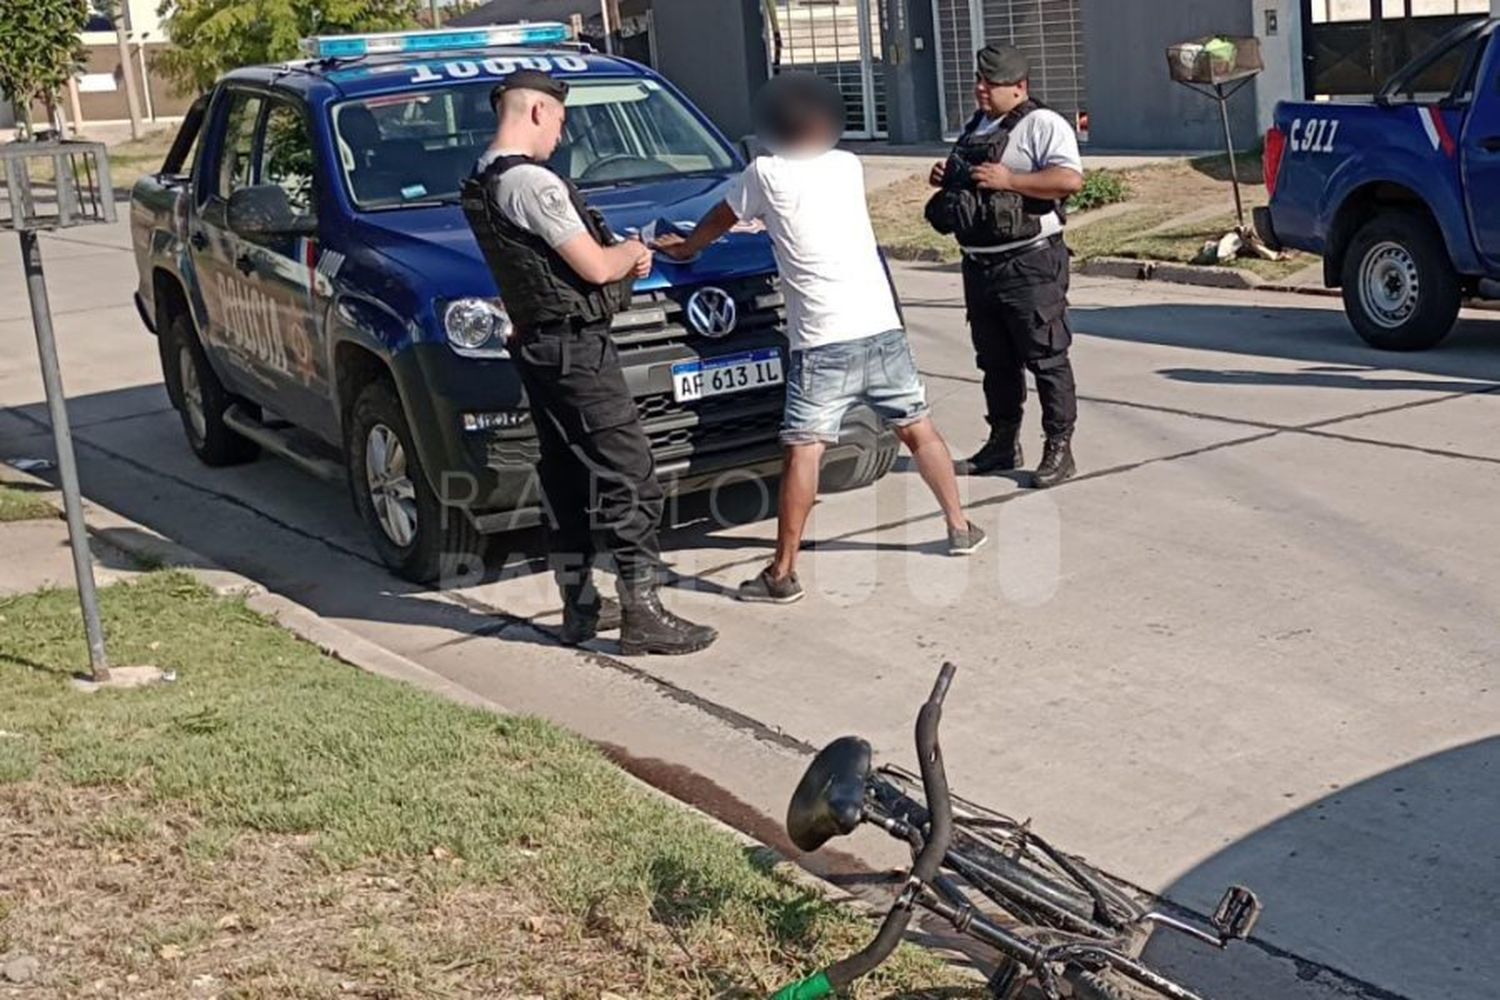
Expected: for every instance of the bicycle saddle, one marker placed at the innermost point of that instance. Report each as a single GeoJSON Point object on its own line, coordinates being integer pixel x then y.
{"type": "Point", "coordinates": [830, 798]}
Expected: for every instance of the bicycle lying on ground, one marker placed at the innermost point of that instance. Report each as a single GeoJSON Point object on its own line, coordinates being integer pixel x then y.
{"type": "Point", "coordinates": [1062, 927]}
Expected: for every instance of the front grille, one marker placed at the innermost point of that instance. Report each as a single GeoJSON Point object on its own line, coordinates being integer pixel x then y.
{"type": "Point", "coordinates": [747, 428]}
{"type": "Point", "coordinates": [680, 430]}
{"type": "Point", "coordinates": [658, 317]}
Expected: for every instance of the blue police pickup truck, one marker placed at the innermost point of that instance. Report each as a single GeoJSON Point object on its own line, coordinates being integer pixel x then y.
{"type": "Point", "coordinates": [1401, 195]}
{"type": "Point", "coordinates": [316, 292]}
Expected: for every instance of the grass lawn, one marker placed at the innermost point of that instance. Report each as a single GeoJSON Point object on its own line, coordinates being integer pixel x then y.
{"type": "Point", "coordinates": [277, 824]}
{"type": "Point", "coordinates": [1144, 229]}
{"type": "Point", "coordinates": [130, 161]}
{"type": "Point", "coordinates": [20, 504]}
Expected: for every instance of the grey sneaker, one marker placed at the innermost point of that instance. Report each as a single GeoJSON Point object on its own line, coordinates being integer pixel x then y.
{"type": "Point", "coordinates": [966, 542]}
{"type": "Point", "coordinates": [767, 589]}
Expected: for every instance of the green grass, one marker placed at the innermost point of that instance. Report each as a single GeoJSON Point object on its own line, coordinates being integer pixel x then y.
{"type": "Point", "coordinates": [18, 504]}
{"type": "Point", "coordinates": [265, 741]}
{"type": "Point", "coordinates": [1100, 188]}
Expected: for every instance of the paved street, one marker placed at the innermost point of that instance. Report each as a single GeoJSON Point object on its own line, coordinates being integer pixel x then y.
{"type": "Point", "coordinates": [1255, 641]}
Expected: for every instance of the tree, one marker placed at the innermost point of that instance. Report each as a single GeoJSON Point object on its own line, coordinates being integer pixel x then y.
{"type": "Point", "coordinates": [211, 36]}
{"type": "Point", "coordinates": [40, 48]}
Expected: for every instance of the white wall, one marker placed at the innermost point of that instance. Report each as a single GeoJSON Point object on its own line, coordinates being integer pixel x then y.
{"type": "Point", "coordinates": [1282, 53]}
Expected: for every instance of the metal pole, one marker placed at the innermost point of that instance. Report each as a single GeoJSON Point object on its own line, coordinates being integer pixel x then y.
{"type": "Point", "coordinates": [67, 466]}
{"type": "Point", "coordinates": [609, 45]}
{"type": "Point", "coordinates": [140, 50]}
{"type": "Point", "coordinates": [436, 18]}
{"type": "Point", "coordinates": [1234, 170]}
{"type": "Point", "coordinates": [132, 97]}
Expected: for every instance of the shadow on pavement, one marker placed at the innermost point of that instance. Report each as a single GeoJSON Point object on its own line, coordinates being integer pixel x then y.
{"type": "Point", "coordinates": [1394, 880]}
{"type": "Point", "coordinates": [1320, 336]}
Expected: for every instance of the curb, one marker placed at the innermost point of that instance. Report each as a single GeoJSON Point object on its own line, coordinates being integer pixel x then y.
{"type": "Point", "coordinates": [155, 551]}
{"type": "Point", "coordinates": [1180, 274]}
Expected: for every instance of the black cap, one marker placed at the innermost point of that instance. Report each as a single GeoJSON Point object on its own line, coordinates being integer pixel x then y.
{"type": "Point", "coordinates": [530, 79]}
{"type": "Point", "coordinates": [1003, 64]}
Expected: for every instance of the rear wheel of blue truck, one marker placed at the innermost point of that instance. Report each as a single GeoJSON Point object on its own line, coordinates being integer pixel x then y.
{"type": "Point", "coordinates": [1400, 290]}
{"type": "Point", "coordinates": [414, 532]}
{"type": "Point", "coordinates": [200, 398]}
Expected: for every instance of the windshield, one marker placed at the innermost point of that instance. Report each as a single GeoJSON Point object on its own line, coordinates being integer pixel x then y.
{"type": "Point", "coordinates": [417, 147]}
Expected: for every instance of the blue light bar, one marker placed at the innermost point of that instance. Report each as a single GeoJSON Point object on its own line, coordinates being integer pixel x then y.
{"type": "Point", "coordinates": [417, 42]}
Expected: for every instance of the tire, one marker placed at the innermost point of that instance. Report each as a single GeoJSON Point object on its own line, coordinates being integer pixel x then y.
{"type": "Point", "coordinates": [415, 534]}
{"type": "Point", "coordinates": [1401, 292]}
{"type": "Point", "coordinates": [1102, 985]}
{"type": "Point", "coordinates": [201, 399]}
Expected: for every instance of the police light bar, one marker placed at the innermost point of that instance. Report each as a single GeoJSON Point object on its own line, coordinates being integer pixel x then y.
{"type": "Point", "coordinates": [413, 42]}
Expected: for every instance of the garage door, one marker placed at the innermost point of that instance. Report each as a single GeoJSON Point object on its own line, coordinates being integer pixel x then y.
{"type": "Point", "coordinates": [1050, 32]}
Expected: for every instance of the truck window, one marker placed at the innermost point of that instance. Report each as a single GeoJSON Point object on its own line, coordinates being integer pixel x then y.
{"type": "Point", "coordinates": [1446, 72]}
{"type": "Point", "coordinates": [286, 157]}
{"type": "Point", "coordinates": [417, 147]}
{"type": "Point", "coordinates": [237, 159]}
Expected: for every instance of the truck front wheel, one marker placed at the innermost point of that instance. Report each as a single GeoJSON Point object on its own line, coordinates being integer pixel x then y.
{"type": "Point", "coordinates": [416, 535]}
{"type": "Point", "coordinates": [1400, 290]}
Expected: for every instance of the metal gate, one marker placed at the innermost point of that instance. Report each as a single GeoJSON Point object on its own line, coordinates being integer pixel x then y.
{"type": "Point", "coordinates": [840, 41]}
{"type": "Point", "coordinates": [1050, 32]}
{"type": "Point", "coordinates": [1353, 46]}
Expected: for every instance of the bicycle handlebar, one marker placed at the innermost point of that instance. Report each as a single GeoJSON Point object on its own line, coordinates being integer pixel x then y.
{"type": "Point", "coordinates": [929, 860]}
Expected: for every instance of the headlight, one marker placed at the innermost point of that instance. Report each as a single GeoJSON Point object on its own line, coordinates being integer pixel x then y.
{"type": "Point", "coordinates": [477, 328]}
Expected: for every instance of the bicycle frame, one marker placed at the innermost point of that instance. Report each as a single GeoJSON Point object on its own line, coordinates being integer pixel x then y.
{"type": "Point", "coordinates": [1061, 938]}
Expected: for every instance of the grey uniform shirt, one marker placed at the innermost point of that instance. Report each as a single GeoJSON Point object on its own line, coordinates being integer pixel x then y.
{"type": "Point", "coordinates": [1042, 139]}
{"type": "Point", "coordinates": [535, 199]}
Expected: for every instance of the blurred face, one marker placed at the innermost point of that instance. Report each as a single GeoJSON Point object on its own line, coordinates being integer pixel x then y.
{"type": "Point", "coordinates": [999, 99]}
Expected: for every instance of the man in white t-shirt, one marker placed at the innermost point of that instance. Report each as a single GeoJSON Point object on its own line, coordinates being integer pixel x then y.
{"type": "Point", "coordinates": [847, 343]}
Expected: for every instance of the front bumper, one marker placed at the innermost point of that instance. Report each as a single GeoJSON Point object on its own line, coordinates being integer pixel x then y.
{"type": "Point", "coordinates": [492, 473]}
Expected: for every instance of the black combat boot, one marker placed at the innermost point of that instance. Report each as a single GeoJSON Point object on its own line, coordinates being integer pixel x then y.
{"type": "Point", "coordinates": [647, 627]}
{"type": "Point", "coordinates": [586, 613]}
{"type": "Point", "coordinates": [1057, 462]}
{"type": "Point", "coordinates": [1001, 453]}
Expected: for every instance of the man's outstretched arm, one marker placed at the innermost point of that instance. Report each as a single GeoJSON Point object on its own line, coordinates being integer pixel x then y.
{"type": "Point", "coordinates": [719, 220]}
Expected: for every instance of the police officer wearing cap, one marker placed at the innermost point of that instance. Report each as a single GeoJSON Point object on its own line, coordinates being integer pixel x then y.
{"type": "Point", "coordinates": [1001, 194]}
{"type": "Point", "coordinates": [564, 275]}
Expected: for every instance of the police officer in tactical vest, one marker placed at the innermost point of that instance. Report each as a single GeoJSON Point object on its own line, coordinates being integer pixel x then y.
{"type": "Point", "coordinates": [1001, 194]}
{"type": "Point", "coordinates": [563, 275]}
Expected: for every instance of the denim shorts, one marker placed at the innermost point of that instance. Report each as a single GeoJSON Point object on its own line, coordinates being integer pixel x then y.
{"type": "Point", "coordinates": [824, 382]}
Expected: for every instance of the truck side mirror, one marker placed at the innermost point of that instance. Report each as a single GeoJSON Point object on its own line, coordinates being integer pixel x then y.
{"type": "Point", "coordinates": [265, 210]}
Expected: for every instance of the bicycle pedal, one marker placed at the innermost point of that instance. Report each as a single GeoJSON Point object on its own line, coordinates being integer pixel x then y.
{"type": "Point", "coordinates": [1235, 916]}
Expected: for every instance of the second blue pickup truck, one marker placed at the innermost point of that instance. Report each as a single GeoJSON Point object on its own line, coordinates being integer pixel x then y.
{"type": "Point", "coordinates": [1401, 196]}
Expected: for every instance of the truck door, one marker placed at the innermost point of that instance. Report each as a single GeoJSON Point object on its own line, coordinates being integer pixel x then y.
{"type": "Point", "coordinates": [283, 273]}
{"type": "Point", "coordinates": [229, 330]}
{"type": "Point", "coordinates": [1481, 160]}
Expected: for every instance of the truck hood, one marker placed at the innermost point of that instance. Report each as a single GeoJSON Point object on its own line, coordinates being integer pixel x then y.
{"type": "Point", "coordinates": [436, 247]}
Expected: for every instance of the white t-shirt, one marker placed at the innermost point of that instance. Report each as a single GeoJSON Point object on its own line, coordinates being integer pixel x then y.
{"type": "Point", "coordinates": [831, 273]}
{"type": "Point", "coordinates": [1042, 139]}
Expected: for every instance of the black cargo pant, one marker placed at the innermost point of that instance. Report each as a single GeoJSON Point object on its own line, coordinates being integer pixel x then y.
{"type": "Point", "coordinates": [1018, 318]}
{"type": "Point", "coordinates": [596, 469]}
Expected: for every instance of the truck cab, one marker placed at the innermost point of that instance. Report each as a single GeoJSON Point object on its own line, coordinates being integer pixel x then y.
{"type": "Point", "coordinates": [1400, 195]}
{"type": "Point", "coordinates": [316, 291]}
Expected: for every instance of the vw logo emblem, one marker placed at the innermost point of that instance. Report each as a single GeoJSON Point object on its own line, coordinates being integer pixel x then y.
{"type": "Point", "coordinates": [711, 312]}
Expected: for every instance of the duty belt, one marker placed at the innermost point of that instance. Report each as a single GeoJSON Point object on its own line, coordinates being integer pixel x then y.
{"type": "Point", "coordinates": [981, 256]}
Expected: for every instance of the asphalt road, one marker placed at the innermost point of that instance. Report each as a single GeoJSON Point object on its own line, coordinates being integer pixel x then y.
{"type": "Point", "coordinates": [1254, 641]}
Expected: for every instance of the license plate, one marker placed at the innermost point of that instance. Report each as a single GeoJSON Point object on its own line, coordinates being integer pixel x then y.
{"type": "Point", "coordinates": [721, 376]}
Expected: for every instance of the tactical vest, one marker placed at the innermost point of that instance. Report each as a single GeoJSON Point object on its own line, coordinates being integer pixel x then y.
{"type": "Point", "coordinates": [539, 287]}
{"type": "Point", "coordinates": [988, 218]}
